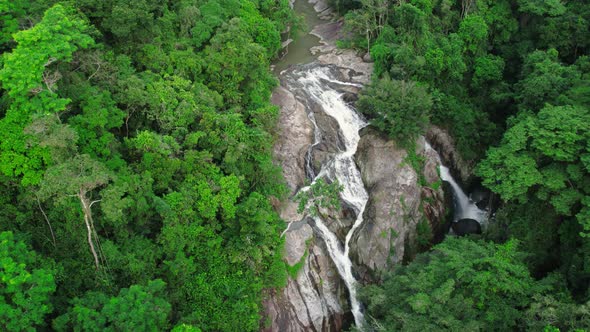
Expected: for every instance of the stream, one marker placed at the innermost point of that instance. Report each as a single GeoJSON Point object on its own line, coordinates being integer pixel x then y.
{"type": "Point", "coordinates": [298, 51]}
{"type": "Point", "coordinates": [319, 87]}
{"type": "Point", "coordinates": [316, 83]}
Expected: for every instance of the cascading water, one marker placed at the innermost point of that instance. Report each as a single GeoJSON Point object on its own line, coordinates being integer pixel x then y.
{"type": "Point", "coordinates": [317, 139]}
{"type": "Point", "coordinates": [465, 208]}
{"type": "Point", "coordinates": [314, 81]}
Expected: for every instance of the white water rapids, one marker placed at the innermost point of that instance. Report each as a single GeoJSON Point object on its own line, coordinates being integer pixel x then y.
{"type": "Point", "coordinates": [314, 82]}
{"type": "Point", "coordinates": [464, 206]}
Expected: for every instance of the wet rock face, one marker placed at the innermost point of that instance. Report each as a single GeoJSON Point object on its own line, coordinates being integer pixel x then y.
{"type": "Point", "coordinates": [392, 212]}
{"type": "Point", "coordinates": [339, 222]}
{"type": "Point", "coordinates": [295, 135]}
{"type": "Point", "coordinates": [312, 301]}
{"type": "Point", "coordinates": [397, 203]}
{"type": "Point", "coordinates": [433, 195]}
{"type": "Point", "coordinates": [450, 157]}
{"type": "Point", "coordinates": [331, 141]}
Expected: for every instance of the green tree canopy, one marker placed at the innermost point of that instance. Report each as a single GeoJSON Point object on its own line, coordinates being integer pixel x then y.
{"type": "Point", "coordinates": [25, 290]}
{"type": "Point", "coordinates": [399, 108]}
{"type": "Point", "coordinates": [460, 285]}
{"type": "Point", "coordinates": [546, 155]}
{"type": "Point", "coordinates": [137, 308]}
{"type": "Point", "coordinates": [30, 78]}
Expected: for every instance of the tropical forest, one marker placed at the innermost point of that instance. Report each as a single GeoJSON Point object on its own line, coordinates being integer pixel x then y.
{"type": "Point", "coordinates": [295, 165]}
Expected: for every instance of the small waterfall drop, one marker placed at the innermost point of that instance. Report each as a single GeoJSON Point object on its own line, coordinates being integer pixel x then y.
{"type": "Point", "coordinates": [315, 82]}
{"type": "Point", "coordinates": [464, 206]}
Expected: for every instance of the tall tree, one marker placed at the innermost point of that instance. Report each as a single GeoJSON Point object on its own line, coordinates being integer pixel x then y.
{"type": "Point", "coordinates": [30, 78]}
{"type": "Point", "coordinates": [78, 177]}
{"type": "Point", "coordinates": [400, 108]}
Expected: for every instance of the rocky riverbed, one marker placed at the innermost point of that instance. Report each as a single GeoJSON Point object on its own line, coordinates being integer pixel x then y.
{"type": "Point", "coordinates": [317, 299]}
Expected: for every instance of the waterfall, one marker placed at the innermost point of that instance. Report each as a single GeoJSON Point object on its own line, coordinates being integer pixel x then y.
{"type": "Point", "coordinates": [317, 140]}
{"type": "Point", "coordinates": [313, 81]}
{"type": "Point", "coordinates": [464, 206]}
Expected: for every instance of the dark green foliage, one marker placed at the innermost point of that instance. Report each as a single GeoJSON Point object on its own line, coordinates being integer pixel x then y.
{"type": "Point", "coordinates": [544, 80]}
{"type": "Point", "coordinates": [136, 146]}
{"type": "Point", "coordinates": [136, 308]}
{"type": "Point", "coordinates": [11, 14]}
{"type": "Point", "coordinates": [25, 289]}
{"type": "Point", "coordinates": [29, 78]}
{"type": "Point", "coordinates": [460, 284]}
{"type": "Point", "coordinates": [399, 108]}
{"type": "Point", "coordinates": [544, 155]}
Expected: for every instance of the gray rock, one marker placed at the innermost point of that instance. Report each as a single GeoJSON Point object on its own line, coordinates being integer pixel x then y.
{"type": "Point", "coordinates": [331, 141]}
{"type": "Point", "coordinates": [393, 210]}
{"type": "Point", "coordinates": [350, 60]}
{"type": "Point", "coordinates": [328, 33]}
{"type": "Point", "coordinates": [310, 302]}
{"type": "Point", "coordinates": [433, 196]}
{"type": "Point", "coordinates": [339, 222]}
{"type": "Point", "coordinates": [313, 300]}
{"type": "Point", "coordinates": [286, 43]}
{"type": "Point", "coordinates": [295, 135]}
{"type": "Point", "coordinates": [445, 145]}
{"type": "Point", "coordinates": [319, 5]}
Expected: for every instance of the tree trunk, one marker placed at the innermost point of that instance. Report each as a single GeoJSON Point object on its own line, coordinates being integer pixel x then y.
{"type": "Point", "coordinates": [89, 224]}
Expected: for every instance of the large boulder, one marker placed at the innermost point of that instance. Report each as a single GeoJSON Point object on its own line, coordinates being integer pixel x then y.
{"type": "Point", "coordinates": [295, 136]}
{"type": "Point", "coordinates": [466, 226]}
{"type": "Point", "coordinates": [396, 204]}
{"type": "Point", "coordinates": [312, 300]}
{"type": "Point", "coordinates": [442, 141]}
{"type": "Point", "coordinates": [331, 141]}
{"type": "Point", "coordinates": [351, 64]}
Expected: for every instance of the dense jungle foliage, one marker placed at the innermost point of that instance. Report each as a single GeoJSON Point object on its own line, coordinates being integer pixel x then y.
{"type": "Point", "coordinates": [136, 177]}
{"type": "Point", "coordinates": [135, 164]}
{"type": "Point", "coordinates": [510, 79]}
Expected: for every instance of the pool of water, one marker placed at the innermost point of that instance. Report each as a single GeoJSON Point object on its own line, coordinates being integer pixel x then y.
{"type": "Point", "coordinates": [298, 51]}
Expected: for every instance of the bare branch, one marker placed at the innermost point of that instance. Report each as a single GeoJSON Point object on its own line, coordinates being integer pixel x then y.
{"type": "Point", "coordinates": [47, 220]}
{"type": "Point", "coordinates": [50, 61]}
{"type": "Point", "coordinates": [91, 203]}
{"type": "Point", "coordinates": [97, 69]}
{"type": "Point", "coordinates": [89, 228]}
{"type": "Point", "coordinates": [51, 79]}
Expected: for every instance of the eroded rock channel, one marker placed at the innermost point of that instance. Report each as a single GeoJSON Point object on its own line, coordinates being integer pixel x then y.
{"type": "Point", "coordinates": [322, 136]}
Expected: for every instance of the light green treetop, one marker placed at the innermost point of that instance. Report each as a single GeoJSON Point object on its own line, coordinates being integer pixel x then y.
{"type": "Point", "coordinates": [24, 291]}
{"type": "Point", "coordinates": [31, 84]}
